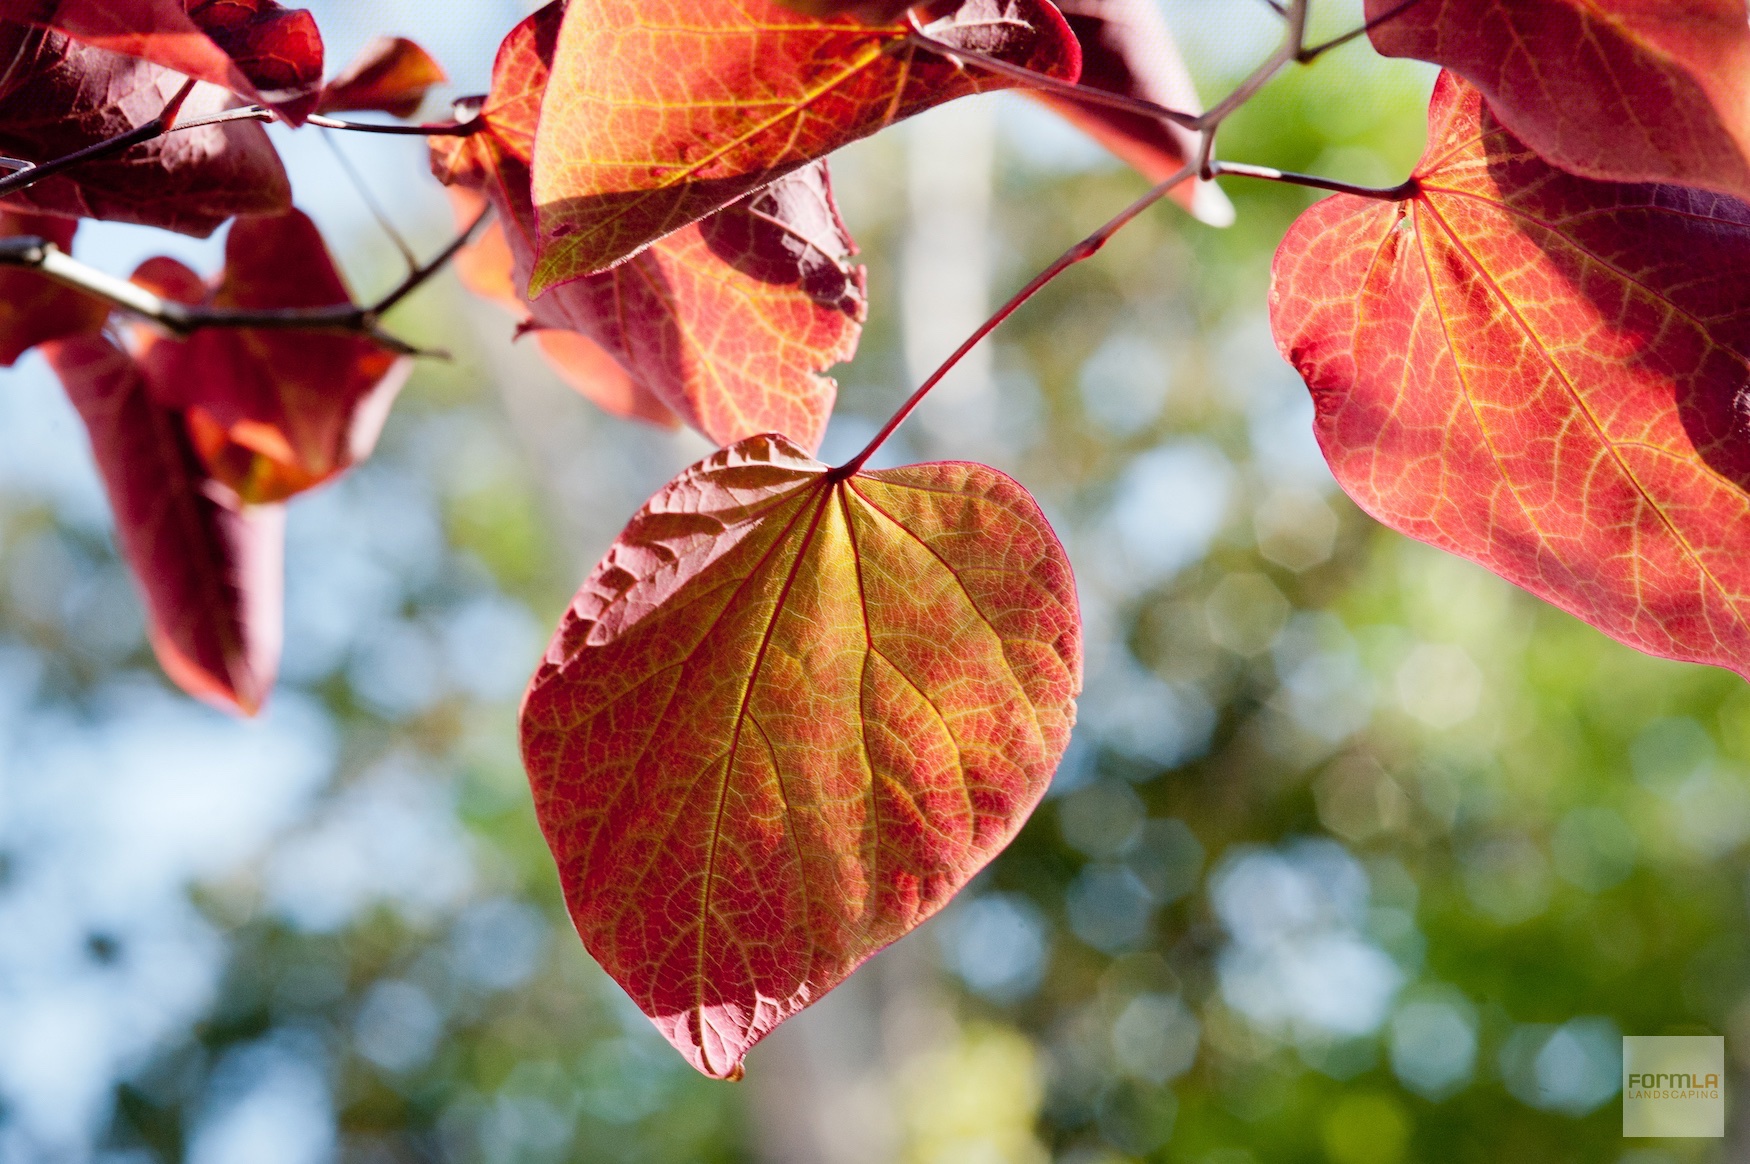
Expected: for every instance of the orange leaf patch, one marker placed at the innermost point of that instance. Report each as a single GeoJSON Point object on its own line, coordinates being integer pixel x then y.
{"type": "Point", "coordinates": [787, 717]}
{"type": "Point", "coordinates": [272, 412]}
{"type": "Point", "coordinates": [1542, 373]}
{"type": "Point", "coordinates": [632, 147]}
{"type": "Point", "coordinates": [728, 324]}
{"type": "Point", "coordinates": [1622, 90]}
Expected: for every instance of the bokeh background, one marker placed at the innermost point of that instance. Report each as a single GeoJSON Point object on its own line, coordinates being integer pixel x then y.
{"type": "Point", "coordinates": [1359, 855]}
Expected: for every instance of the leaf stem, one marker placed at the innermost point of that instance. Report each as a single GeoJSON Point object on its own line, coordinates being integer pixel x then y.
{"type": "Point", "coordinates": [1087, 248]}
{"type": "Point", "coordinates": [1403, 190]}
{"type": "Point", "coordinates": [434, 129]}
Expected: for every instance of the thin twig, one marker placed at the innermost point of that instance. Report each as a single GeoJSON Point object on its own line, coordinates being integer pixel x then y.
{"type": "Point", "coordinates": [1085, 249]}
{"type": "Point", "coordinates": [1081, 94]}
{"type": "Point", "coordinates": [1402, 191]}
{"type": "Point", "coordinates": [183, 319]}
{"type": "Point", "coordinates": [432, 129]}
{"type": "Point", "coordinates": [364, 192]}
{"type": "Point", "coordinates": [157, 127]}
{"type": "Point", "coordinates": [1307, 55]}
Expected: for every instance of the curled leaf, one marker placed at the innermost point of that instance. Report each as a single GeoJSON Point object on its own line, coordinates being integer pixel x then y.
{"type": "Point", "coordinates": [1127, 49]}
{"type": "Point", "coordinates": [1542, 373]}
{"type": "Point", "coordinates": [631, 148]}
{"type": "Point", "coordinates": [392, 75]}
{"type": "Point", "coordinates": [33, 309]}
{"type": "Point", "coordinates": [728, 323]}
{"type": "Point", "coordinates": [787, 717]}
{"type": "Point", "coordinates": [255, 48]}
{"type": "Point", "coordinates": [1622, 90]}
{"type": "Point", "coordinates": [272, 412]}
{"type": "Point", "coordinates": [210, 570]}
{"type": "Point", "coordinates": [61, 96]}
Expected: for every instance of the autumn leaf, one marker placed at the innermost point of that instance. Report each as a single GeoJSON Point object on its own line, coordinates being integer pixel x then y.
{"type": "Point", "coordinates": [257, 49]}
{"type": "Point", "coordinates": [61, 96]}
{"type": "Point", "coordinates": [729, 323]}
{"type": "Point", "coordinates": [1127, 49]}
{"type": "Point", "coordinates": [787, 717]}
{"type": "Point", "coordinates": [33, 309]}
{"type": "Point", "coordinates": [272, 412]}
{"type": "Point", "coordinates": [392, 76]}
{"type": "Point", "coordinates": [631, 148]}
{"type": "Point", "coordinates": [1623, 90]}
{"type": "Point", "coordinates": [1542, 373]}
{"type": "Point", "coordinates": [209, 569]}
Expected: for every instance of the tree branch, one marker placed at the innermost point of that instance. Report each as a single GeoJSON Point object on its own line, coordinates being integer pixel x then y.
{"type": "Point", "coordinates": [30, 174]}
{"type": "Point", "coordinates": [1086, 249]}
{"type": "Point", "coordinates": [183, 319]}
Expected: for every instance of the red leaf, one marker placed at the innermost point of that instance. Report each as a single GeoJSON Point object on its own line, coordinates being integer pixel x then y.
{"type": "Point", "coordinates": [1624, 90]}
{"type": "Point", "coordinates": [1542, 373]}
{"type": "Point", "coordinates": [33, 309]}
{"type": "Point", "coordinates": [392, 75]}
{"type": "Point", "coordinates": [1127, 49]}
{"type": "Point", "coordinates": [272, 413]}
{"type": "Point", "coordinates": [255, 48]}
{"type": "Point", "coordinates": [61, 96]}
{"type": "Point", "coordinates": [660, 114]}
{"type": "Point", "coordinates": [727, 323]}
{"type": "Point", "coordinates": [210, 570]}
{"type": "Point", "coordinates": [488, 268]}
{"type": "Point", "coordinates": [787, 718]}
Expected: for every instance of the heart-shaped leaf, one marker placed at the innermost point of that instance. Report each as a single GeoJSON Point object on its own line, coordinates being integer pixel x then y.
{"type": "Point", "coordinates": [1542, 373]}
{"type": "Point", "coordinates": [1617, 89]}
{"type": "Point", "coordinates": [632, 147]}
{"type": "Point", "coordinates": [787, 717]}
{"type": "Point", "coordinates": [33, 309]}
{"type": "Point", "coordinates": [728, 323]}
{"type": "Point", "coordinates": [257, 49]}
{"type": "Point", "coordinates": [272, 412]}
{"type": "Point", "coordinates": [61, 96]}
{"type": "Point", "coordinates": [210, 570]}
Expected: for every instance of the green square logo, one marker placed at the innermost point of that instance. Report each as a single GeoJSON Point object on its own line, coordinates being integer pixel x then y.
{"type": "Point", "coordinates": [1673, 1085]}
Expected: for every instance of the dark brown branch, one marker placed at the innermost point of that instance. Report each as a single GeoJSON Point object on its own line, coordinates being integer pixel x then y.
{"type": "Point", "coordinates": [1402, 191]}
{"type": "Point", "coordinates": [433, 129]}
{"type": "Point", "coordinates": [27, 174]}
{"type": "Point", "coordinates": [184, 319]}
{"type": "Point", "coordinates": [1082, 94]}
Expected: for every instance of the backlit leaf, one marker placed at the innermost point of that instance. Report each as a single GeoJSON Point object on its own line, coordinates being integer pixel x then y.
{"type": "Point", "coordinates": [632, 147]}
{"type": "Point", "coordinates": [255, 48]}
{"type": "Point", "coordinates": [728, 323]}
{"type": "Point", "coordinates": [1127, 49]}
{"type": "Point", "coordinates": [392, 76]}
{"type": "Point", "coordinates": [1542, 373]}
{"type": "Point", "coordinates": [272, 413]}
{"type": "Point", "coordinates": [61, 96]}
{"type": "Point", "coordinates": [787, 717]}
{"type": "Point", "coordinates": [33, 309]}
{"type": "Point", "coordinates": [210, 570]}
{"type": "Point", "coordinates": [1625, 90]}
